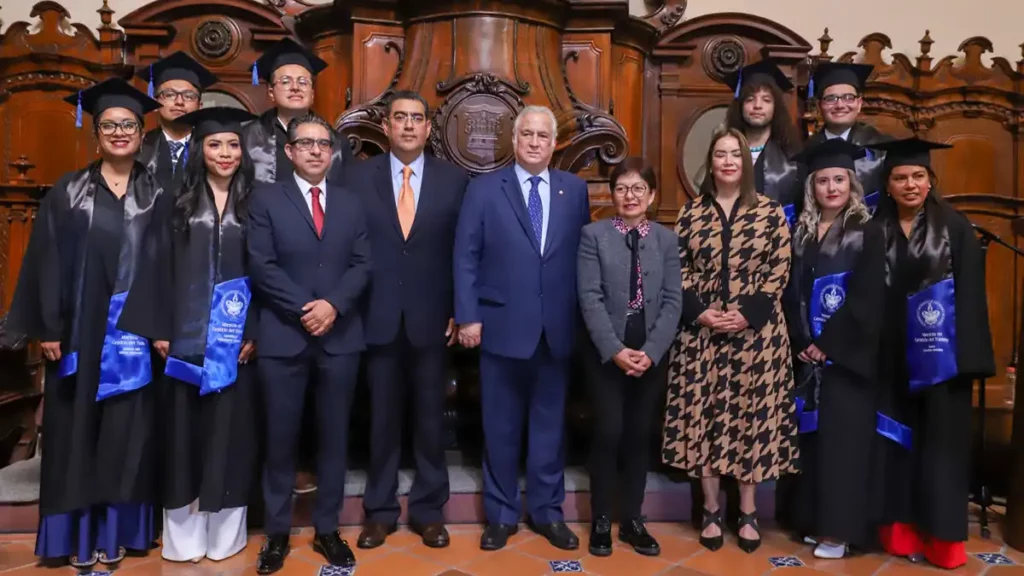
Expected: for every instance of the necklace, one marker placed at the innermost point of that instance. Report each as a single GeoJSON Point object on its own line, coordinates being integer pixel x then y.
{"type": "Point", "coordinates": [757, 148]}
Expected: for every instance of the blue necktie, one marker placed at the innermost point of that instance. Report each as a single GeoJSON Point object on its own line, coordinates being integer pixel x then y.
{"type": "Point", "coordinates": [536, 210]}
{"type": "Point", "coordinates": [176, 148]}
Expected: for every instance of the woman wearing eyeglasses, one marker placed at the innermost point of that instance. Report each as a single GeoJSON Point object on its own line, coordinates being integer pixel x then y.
{"type": "Point", "coordinates": [832, 303]}
{"type": "Point", "coordinates": [192, 298]}
{"type": "Point", "coordinates": [98, 471]}
{"type": "Point", "coordinates": [628, 285]}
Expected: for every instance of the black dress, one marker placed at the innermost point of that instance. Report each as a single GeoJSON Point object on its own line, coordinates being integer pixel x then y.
{"type": "Point", "coordinates": [98, 469]}
{"type": "Point", "coordinates": [831, 496]}
{"type": "Point", "coordinates": [926, 486]}
{"type": "Point", "coordinates": [209, 441]}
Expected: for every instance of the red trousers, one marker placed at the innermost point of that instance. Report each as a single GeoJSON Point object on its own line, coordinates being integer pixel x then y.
{"type": "Point", "coordinates": [904, 540]}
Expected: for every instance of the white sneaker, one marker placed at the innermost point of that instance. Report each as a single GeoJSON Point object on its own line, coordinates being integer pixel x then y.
{"type": "Point", "coordinates": [810, 540]}
{"type": "Point", "coordinates": [828, 551]}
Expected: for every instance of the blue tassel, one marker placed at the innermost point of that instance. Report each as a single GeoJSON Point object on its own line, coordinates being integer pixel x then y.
{"type": "Point", "coordinates": [810, 88]}
{"type": "Point", "coordinates": [151, 87]}
{"type": "Point", "coordinates": [739, 84]}
{"type": "Point", "coordinates": [78, 111]}
{"type": "Point", "coordinates": [255, 75]}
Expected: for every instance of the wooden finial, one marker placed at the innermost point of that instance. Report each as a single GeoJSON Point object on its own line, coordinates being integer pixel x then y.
{"type": "Point", "coordinates": [926, 43]}
{"type": "Point", "coordinates": [825, 41]}
{"type": "Point", "coordinates": [106, 14]}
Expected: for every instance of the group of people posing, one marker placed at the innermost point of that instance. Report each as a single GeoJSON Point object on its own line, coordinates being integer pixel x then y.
{"type": "Point", "coordinates": [194, 285]}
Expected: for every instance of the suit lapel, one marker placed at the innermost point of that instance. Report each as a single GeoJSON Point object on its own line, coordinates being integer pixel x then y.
{"type": "Point", "coordinates": [291, 190]}
{"type": "Point", "coordinates": [386, 191]}
{"type": "Point", "coordinates": [557, 205]}
{"type": "Point", "coordinates": [514, 193]}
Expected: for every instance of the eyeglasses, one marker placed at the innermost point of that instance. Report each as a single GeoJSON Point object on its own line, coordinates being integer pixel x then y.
{"type": "Point", "coordinates": [306, 144]}
{"type": "Point", "coordinates": [128, 127]}
{"type": "Point", "coordinates": [286, 82]}
{"type": "Point", "coordinates": [831, 99]}
{"type": "Point", "coordinates": [637, 190]}
{"type": "Point", "coordinates": [402, 118]}
{"type": "Point", "coordinates": [169, 95]}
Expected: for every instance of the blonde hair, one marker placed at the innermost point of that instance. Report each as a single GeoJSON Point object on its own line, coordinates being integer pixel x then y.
{"type": "Point", "coordinates": [807, 227]}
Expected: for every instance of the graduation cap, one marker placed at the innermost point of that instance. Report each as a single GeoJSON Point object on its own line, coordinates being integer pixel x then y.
{"type": "Point", "coordinates": [836, 73]}
{"type": "Point", "coordinates": [832, 153]}
{"type": "Point", "coordinates": [286, 51]}
{"type": "Point", "coordinates": [111, 93]}
{"type": "Point", "coordinates": [177, 66]}
{"type": "Point", "coordinates": [909, 152]}
{"type": "Point", "coordinates": [215, 120]}
{"type": "Point", "coordinates": [764, 70]}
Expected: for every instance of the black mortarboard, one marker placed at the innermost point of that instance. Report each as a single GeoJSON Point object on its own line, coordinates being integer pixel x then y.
{"type": "Point", "coordinates": [832, 153]}
{"type": "Point", "coordinates": [763, 70]}
{"type": "Point", "coordinates": [835, 73]}
{"type": "Point", "coordinates": [909, 152]}
{"type": "Point", "coordinates": [111, 93]}
{"type": "Point", "coordinates": [177, 66]}
{"type": "Point", "coordinates": [215, 120]}
{"type": "Point", "coordinates": [286, 51]}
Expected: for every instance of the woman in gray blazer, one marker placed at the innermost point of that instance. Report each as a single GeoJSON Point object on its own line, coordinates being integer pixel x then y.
{"type": "Point", "coordinates": [630, 294]}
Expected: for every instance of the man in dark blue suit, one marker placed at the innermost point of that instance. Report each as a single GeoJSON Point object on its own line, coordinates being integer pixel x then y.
{"type": "Point", "coordinates": [515, 296]}
{"type": "Point", "coordinates": [309, 263]}
{"type": "Point", "coordinates": [412, 204]}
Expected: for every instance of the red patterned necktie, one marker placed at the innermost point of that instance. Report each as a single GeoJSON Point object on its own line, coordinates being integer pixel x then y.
{"type": "Point", "coordinates": [318, 212]}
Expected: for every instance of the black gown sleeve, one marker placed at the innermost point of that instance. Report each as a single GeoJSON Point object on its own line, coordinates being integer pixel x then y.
{"type": "Point", "coordinates": [850, 337]}
{"type": "Point", "coordinates": [149, 307]}
{"type": "Point", "coordinates": [792, 309]}
{"type": "Point", "coordinates": [975, 358]}
{"type": "Point", "coordinates": [36, 309]}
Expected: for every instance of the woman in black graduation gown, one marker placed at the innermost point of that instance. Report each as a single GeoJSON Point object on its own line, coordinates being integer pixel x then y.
{"type": "Point", "coordinates": [98, 482]}
{"type": "Point", "coordinates": [936, 342]}
{"type": "Point", "coordinates": [832, 303]}
{"type": "Point", "coordinates": [192, 300]}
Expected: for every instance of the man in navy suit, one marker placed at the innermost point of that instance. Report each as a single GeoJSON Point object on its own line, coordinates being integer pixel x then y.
{"type": "Point", "coordinates": [412, 204]}
{"type": "Point", "coordinates": [309, 263]}
{"type": "Point", "coordinates": [515, 297]}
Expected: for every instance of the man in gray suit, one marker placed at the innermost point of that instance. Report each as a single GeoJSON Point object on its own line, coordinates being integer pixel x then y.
{"type": "Point", "coordinates": [628, 281]}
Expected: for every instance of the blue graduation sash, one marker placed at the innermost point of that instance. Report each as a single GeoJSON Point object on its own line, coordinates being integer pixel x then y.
{"type": "Point", "coordinates": [228, 308]}
{"type": "Point", "coordinates": [790, 211]}
{"type": "Point", "coordinates": [124, 361]}
{"type": "Point", "coordinates": [808, 421]}
{"type": "Point", "coordinates": [893, 430]}
{"type": "Point", "coordinates": [871, 200]}
{"type": "Point", "coordinates": [827, 294]}
{"type": "Point", "coordinates": [931, 335]}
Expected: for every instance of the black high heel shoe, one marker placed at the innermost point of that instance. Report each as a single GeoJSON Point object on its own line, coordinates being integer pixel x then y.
{"type": "Point", "coordinates": [712, 518]}
{"type": "Point", "coordinates": [746, 544]}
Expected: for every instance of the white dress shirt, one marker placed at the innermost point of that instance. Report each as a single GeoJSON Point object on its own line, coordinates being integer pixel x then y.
{"type": "Point", "coordinates": [183, 141]}
{"type": "Point", "coordinates": [305, 187]}
{"type": "Point", "coordinates": [415, 179]}
{"type": "Point", "coordinates": [544, 187]}
{"type": "Point", "coordinates": [845, 135]}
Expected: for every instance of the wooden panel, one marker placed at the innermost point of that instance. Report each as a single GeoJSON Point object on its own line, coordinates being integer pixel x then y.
{"type": "Point", "coordinates": [588, 62]}
{"type": "Point", "coordinates": [377, 53]}
{"type": "Point", "coordinates": [627, 93]}
{"type": "Point", "coordinates": [59, 148]}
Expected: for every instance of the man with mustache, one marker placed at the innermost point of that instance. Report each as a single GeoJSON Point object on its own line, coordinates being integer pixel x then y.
{"type": "Point", "coordinates": [759, 110]}
{"type": "Point", "coordinates": [839, 87]}
{"type": "Point", "coordinates": [177, 83]}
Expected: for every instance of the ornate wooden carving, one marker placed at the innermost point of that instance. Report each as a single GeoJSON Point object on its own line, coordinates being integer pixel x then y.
{"type": "Point", "coordinates": [473, 128]}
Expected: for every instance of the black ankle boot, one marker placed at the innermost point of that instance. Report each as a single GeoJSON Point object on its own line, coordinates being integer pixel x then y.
{"type": "Point", "coordinates": [634, 532]}
{"type": "Point", "coordinates": [601, 536]}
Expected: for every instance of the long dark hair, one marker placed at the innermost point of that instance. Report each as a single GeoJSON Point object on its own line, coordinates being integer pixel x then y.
{"type": "Point", "coordinates": [783, 130]}
{"type": "Point", "coordinates": [194, 184]}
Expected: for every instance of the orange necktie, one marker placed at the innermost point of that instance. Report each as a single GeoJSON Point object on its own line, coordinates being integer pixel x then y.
{"type": "Point", "coordinates": [406, 203]}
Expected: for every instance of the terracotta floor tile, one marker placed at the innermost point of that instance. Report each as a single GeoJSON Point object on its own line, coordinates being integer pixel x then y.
{"type": "Point", "coordinates": [16, 554]}
{"type": "Point", "coordinates": [625, 562]}
{"type": "Point", "coordinates": [976, 544]}
{"type": "Point", "coordinates": [542, 549]}
{"type": "Point", "coordinates": [507, 563]}
{"type": "Point", "coordinates": [682, 571]}
{"type": "Point", "coordinates": [677, 529]}
{"type": "Point", "coordinates": [463, 549]}
{"type": "Point", "coordinates": [901, 567]}
{"type": "Point", "coordinates": [674, 549]}
{"type": "Point", "coordinates": [863, 565]}
{"type": "Point", "coordinates": [454, 573]}
{"type": "Point", "coordinates": [1005, 571]}
{"type": "Point", "coordinates": [730, 561]}
{"type": "Point", "coordinates": [397, 563]}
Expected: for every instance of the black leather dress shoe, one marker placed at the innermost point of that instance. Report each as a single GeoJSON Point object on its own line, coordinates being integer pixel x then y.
{"type": "Point", "coordinates": [334, 549]}
{"type": "Point", "coordinates": [374, 534]}
{"type": "Point", "coordinates": [634, 532]}
{"type": "Point", "coordinates": [495, 536]}
{"type": "Point", "coordinates": [558, 534]}
{"type": "Point", "coordinates": [601, 537]}
{"type": "Point", "coordinates": [272, 554]}
{"type": "Point", "coordinates": [434, 534]}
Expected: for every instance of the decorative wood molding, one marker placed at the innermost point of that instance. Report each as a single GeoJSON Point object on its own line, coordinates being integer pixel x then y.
{"type": "Point", "coordinates": [664, 14]}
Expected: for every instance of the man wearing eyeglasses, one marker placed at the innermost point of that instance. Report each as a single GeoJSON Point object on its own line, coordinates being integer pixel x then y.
{"type": "Point", "coordinates": [309, 263]}
{"type": "Point", "coordinates": [177, 83]}
{"type": "Point", "coordinates": [288, 68]}
{"type": "Point", "coordinates": [839, 87]}
{"type": "Point", "coordinates": [412, 202]}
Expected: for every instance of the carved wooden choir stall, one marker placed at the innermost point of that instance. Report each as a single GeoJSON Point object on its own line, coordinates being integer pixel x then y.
{"type": "Point", "coordinates": [619, 85]}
